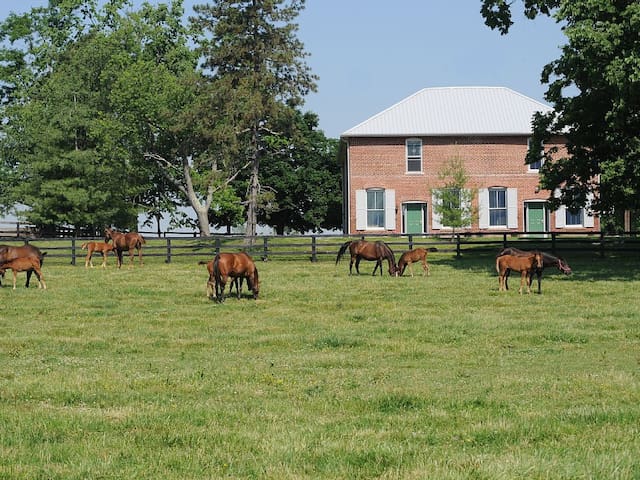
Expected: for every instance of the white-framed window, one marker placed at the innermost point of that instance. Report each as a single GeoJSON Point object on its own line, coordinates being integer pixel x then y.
{"type": "Point", "coordinates": [534, 166]}
{"type": "Point", "coordinates": [375, 208]}
{"type": "Point", "coordinates": [497, 207]}
{"type": "Point", "coordinates": [574, 218]}
{"type": "Point", "coordinates": [414, 155]}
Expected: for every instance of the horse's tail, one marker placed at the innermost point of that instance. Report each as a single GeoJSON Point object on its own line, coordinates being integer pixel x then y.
{"type": "Point", "coordinates": [343, 249]}
{"type": "Point", "coordinates": [141, 239]}
{"type": "Point", "coordinates": [255, 282]}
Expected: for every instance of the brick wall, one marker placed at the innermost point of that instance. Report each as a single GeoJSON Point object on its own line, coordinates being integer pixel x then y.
{"type": "Point", "coordinates": [490, 161]}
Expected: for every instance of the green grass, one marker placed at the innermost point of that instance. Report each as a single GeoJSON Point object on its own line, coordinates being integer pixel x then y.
{"type": "Point", "coordinates": [134, 373]}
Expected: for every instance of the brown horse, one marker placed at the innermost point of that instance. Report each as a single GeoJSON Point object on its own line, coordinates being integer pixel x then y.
{"type": "Point", "coordinates": [525, 264]}
{"type": "Point", "coordinates": [125, 241]}
{"type": "Point", "coordinates": [416, 255]}
{"type": "Point", "coordinates": [235, 266]}
{"type": "Point", "coordinates": [93, 247]}
{"type": "Point", "coordinates": [377, 251]}
{"type": "Point", "coordinates": [9, 253]}
{"type": "Point", "coordinates": [211, 282]}
{"type": "Point", "coordinates": [548, 260]}
{"type": "Point", "coordinates": [24, 264]}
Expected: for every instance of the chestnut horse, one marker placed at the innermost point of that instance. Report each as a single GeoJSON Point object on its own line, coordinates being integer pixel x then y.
{"type": "Point", "coordinates": [125, 241]}
{"type": "Point", "coordinates": [237, 282]}
{"type": "Point", "coordinates": [8, 253]}
{"type": "Point", "coordinates": [548, 260]}
{"type": "Point", "coordinates": [377, 251]}
{"type": "Point", "coordinates": [24, 264]}
{"type": "Point", "coordinates": [234, 266]}
{"type": "Point", "coordinates": [93, 247]}
{"type": "Point", "coordinates": [525, 264]}
{"type": "Point", "coordinates": [416, 255]}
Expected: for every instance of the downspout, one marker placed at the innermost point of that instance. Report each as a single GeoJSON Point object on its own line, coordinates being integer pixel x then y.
{"type": "Point", "coordinates": [346, 194]}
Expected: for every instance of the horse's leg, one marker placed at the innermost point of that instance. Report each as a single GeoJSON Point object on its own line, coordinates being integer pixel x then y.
{"type": "Point", "coordinates": [523, 282]}
{"type": "Point", "coordinates": [87, 260]}
{"type": "Point", "coordinates": [132, 255]}
{"type": "Point", "coordinates": [425, 266]}
{"type": "Point", "coordinates": [40, 277]}
{"type": "Point", "coordinates": [105, 253]}
{"type": "Point", "coordinates": [15, 276]}
{"type": "Point", "coordinates": [28, 279]}
{"type": "Point", "coordinates": [506, 277]}
{"type": "Point", "coordinates": [378, 264]}
{"type": "Point", "coordinates": [410, 268]}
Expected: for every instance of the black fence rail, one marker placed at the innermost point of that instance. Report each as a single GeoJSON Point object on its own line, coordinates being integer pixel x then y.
{"type": "Point", "coordinates": [318, 247]}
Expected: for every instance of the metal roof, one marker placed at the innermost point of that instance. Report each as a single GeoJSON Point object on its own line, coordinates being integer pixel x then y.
{"type": "Point", "coordinates": [454, 111]}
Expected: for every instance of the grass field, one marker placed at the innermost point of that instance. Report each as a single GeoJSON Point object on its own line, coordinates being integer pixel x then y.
{"type": "Point", "coordinates": [134, 373]}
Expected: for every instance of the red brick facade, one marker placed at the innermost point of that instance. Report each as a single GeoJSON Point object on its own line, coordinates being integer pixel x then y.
{"type": "Point", "coordinates": [489, 161]}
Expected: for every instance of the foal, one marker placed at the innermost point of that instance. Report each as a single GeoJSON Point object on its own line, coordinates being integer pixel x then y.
{"type": "Point", "coordinates": [93, 247]}
{"type": "Point", "coordinates": [526, 265]}
{"type": "Point", "coordinates": [407, 259]}
{"type": "Point", "coordinates": [24, 264]}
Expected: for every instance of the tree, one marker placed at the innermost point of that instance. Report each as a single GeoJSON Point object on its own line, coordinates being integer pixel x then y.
{"type": "Point", "coordinates": [302, 178]}
{"type": "Point", "coordinates": [251, 47]}
{"type": "Point", "coordinates": [452, 200]}
{"type": "Point", "coordinates": [594, 88]}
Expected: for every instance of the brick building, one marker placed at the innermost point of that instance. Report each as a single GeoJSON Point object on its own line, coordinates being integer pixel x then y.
{"type": "Point", "coordinates": [392, 163]}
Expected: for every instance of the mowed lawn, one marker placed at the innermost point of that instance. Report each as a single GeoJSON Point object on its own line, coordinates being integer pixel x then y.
{"type": "Point", "coordinates": [134, 373]}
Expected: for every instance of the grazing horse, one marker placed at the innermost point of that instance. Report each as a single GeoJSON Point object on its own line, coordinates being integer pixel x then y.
{"type": "Point", "coordinates": [8, 253]}
{"type": "Point", "coordinates": [415, 255]}
{"type": "Point", "coordinates": [237, 282]}
{"type": "Point", "coordinates": [125, 241]}
{"type": "Point", "coordinates": [525, 264]}
{"type": "Point", "coordinates": [235, 266]}
{"type": "Point", "coordinates": [24, 264]}
{"type": "Point", "coordinates": [377, 251]}
{"type": "Point", "coordinates": [93, 247]}
{"type": "Point", "coordinates": [548, 260]}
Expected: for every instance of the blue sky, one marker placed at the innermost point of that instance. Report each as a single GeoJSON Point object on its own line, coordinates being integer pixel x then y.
{"type": "Point", "coordinates": [370, 54]}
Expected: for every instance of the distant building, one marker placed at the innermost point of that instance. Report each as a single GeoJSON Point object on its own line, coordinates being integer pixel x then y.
{"type": "Point", "coordinates": [392, 161]}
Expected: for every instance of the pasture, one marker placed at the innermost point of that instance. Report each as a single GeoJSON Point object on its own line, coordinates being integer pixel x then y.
{"type": "Point", "coordinates": [134, 373]}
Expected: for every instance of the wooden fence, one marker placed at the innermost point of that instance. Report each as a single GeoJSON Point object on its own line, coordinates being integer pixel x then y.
{"type": "Point", "coordinates": [319, 247]}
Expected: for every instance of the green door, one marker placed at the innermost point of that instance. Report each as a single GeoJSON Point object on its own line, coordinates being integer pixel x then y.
{"type": "Point", "coordinates": [414, 216]}
{"type": "Point", "coordinates": [535, 217]}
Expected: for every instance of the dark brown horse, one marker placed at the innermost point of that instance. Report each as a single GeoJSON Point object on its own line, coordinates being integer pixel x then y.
{"type": "Point", "coordinates": [9, 253]}
{"type": "Point", "coordinates": [407, 259]}
{"type": "Point", "coordinates": [125, 241]}
{"type": "Point", "coordinates": [525, 264]}
{"type": "Point", "coordinates": [548, 260]}
{"type": "Point", "coordinates": [24, 264]}
{"type": "Point", "coordinates": [234, 266]}
{"type": "Point", "coordinates": [92, 247]}
{"type": "Point", "coordinates": [361, 249]}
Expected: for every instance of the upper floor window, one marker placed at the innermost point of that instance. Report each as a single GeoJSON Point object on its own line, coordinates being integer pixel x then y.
{"type": "Point", "coordinates": [375, 208]}
{"type": "Point", "coordinates": [414, 155]}
{"type": "Point", "coordinates": [498, 207]}
{"type": "Point", "coordinates": [534, 166]}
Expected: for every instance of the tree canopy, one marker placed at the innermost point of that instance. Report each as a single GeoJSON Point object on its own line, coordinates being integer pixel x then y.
{"type": "Point", "coordinates": [594, 88]}
{"type": "Point", "coordinates": [111, 111]}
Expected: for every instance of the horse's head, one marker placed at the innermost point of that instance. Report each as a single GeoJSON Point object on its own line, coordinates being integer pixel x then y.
{"type": "Point", "coordinates": [107, 235]}
{"type": "Point", "coordinates": [538, 261]}
{"type": "Point", "coordinates": [564, 267]}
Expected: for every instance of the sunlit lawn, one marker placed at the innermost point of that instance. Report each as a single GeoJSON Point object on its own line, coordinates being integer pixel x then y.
{"type": "Point", "coordinates": [134, 373]}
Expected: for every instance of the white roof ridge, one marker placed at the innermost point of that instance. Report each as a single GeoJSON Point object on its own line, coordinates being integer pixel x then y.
{"type": "Point", "coordinates": [454, 110]}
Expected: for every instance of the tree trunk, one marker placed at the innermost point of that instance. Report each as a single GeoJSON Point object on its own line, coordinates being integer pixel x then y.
{"type": "Point", "coordinates": [254, 186]}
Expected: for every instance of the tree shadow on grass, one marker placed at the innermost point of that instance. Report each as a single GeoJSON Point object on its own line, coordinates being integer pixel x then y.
{"type": "Point", "coordinates": [585, 266]}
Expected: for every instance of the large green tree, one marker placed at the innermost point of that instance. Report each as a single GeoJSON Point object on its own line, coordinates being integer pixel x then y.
{"type": "Point", "coordinates": [302, 178]}
{"type": "Point", "coordinates": [251, 48]}
{"type": "Point", "coordinates": [594, 88]}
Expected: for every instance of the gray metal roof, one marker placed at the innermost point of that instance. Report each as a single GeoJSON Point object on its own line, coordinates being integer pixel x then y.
{"type": "Point", "coordinates": [454, 111]}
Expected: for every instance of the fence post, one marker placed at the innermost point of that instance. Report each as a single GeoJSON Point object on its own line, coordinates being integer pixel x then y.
{"type": "Point", "coordinates": [410, 242]}
{"type": "Point", "coordinates": [265, 249]}
{"type": "Point", "coordinates": [314, 249]}
{"type": "Point", "coordinates": [553, 242]}
{"type": "Point", "coordinates": [73, 251]}
{"type": "Point", "coordinates": [504, 240]}
{"type": "Point", "coordinates": [458, 251]}
{"type": "Point", "coordinates": [218, 245]}
{"type": "Point", "coordinates": [168, 260]}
